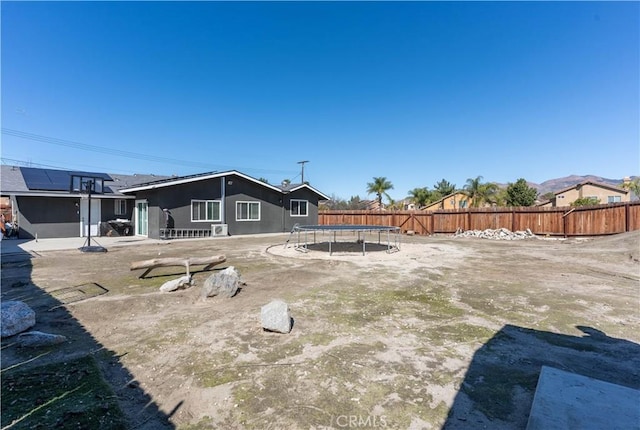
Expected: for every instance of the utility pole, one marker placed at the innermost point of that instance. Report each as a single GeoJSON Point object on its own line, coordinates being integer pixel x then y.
{"type": "Point", "coordinates": [303, 162]}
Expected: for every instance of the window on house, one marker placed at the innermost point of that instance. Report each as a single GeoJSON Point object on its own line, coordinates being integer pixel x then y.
{"type": "Point", "coordinates": [614, 199]}
{"type": "Point", "coordinates": [120, 207]}
{"type": "Point", "coordinates": [463, 204]}
{"type": "Point", "coordinates": [205, 210]}
{"type": "Point", "coordinates": [299, 207]}
{"type": "Point", "coordinates": [247, 211]}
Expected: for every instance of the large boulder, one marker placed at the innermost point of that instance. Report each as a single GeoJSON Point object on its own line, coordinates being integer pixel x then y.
{"type": "Point", "coordinates": [35, 339]}
{"type": "Point", "coordinates": [275, 316]}
{"type": "Point", "coordinates": [16, 318]}
{"type": "Point", "coordinates": [224, 283]}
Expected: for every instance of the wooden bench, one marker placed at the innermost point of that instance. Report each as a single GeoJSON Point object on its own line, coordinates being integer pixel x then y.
{"type": "Point", "coordinates": [208, 262]}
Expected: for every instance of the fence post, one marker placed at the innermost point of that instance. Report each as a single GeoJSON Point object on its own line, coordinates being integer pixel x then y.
{"type": "Point", "coordinates": [432, 223]}
{"type": "Point", "coordinates": [468, 219]}
{"type": "Point", "coordinates": [564, 221]}
{"type": "Point", "coordinates": [627, 215]}
{"type": "Point", "coordinates": [513, 219]}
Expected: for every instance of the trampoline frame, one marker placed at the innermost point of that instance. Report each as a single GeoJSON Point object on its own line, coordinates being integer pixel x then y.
{"type": "Point", "coordinates": [393, 235]}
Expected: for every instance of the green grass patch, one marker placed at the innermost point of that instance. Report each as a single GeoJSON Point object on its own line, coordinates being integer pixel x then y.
{"type": "Point", "coordinates": [69, 395]}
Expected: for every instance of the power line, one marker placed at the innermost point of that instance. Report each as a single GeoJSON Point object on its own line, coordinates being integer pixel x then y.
{"type": "Point", "coordinates": [25, 163]}
{"type": "Point", "coordinates": [122, 153]}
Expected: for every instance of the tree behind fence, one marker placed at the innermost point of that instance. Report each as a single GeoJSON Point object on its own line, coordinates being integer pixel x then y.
{"type": "Point", "coordinates": [561, 221]}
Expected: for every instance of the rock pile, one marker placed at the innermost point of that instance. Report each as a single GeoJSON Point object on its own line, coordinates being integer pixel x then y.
{"type": "Point", "coordinates": [499, 234]}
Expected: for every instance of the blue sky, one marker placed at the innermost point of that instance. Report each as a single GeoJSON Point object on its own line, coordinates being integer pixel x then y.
{"type": "Point", "coordinates": [415, 92]}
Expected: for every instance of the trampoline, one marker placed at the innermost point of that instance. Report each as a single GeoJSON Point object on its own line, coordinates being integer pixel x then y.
{"type": "Point", "coordinates": [305, 233]}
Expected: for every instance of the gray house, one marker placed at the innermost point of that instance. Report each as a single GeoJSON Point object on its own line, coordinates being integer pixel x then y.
{"type": "Point", "coordinates": [47, 203]}
{"type": "Point", "coordinates": [223, 203]}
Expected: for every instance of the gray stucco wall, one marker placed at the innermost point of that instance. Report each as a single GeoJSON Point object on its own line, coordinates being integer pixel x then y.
{"type": "Point", "coordinates": [108, 210]}
{"type": "Point", "coordinates": [51, 217]}
{"type": "Point", "coordinates": [274, 206]}
{"type": "Point", "coordinates": [178, 200]}
{"type": "Point", "coordinates": [48, 217]}
{"type": "Point", "coordinates": [271, 212]}
{"type": "Point", "coordinates": [312, 209]}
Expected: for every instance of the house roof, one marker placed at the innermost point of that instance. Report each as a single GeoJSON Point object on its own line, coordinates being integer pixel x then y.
{"type": "Point", "coordinates": [127, 181]}
{"type": "Point", "coordinates": [597, 184]}
{"type": "Point", "coordinates": [455, 193]}
{"type": "Point", "coordinates": [12, 181]}
{"type": "Point", "coordinates": [169, 182]}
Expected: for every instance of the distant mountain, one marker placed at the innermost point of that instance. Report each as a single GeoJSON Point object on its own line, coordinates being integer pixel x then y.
{"type": "Point", "coordinates": [553, 185]}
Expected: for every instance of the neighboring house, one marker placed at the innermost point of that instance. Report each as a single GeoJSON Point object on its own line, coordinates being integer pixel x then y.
{"type": "Point", "coordinates": [47, 203]}
{"type": "Point", "coordinates": [373, 205]}
{"type": "Point", "coordinates": [605, 193]}
{"type": "Point", "coordinates": [457, 200]}
{"type": "Point", "coordinates": [228, 202]}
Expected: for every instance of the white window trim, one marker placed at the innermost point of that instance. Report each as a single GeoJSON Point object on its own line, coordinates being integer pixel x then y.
{"type": "Point", "coordinates": [249, 202]}
{"type": "Point", "coordinates": [219, 219]}
{"type": "Point", "coordinates": [117, 205]}
{"type": "Point", "coordinates": [299, 201]}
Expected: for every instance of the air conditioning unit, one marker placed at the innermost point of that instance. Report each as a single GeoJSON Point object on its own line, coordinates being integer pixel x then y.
{"type": "Point", "coordinates": [219, 230]}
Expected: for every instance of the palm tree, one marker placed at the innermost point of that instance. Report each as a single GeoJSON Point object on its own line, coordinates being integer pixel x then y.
{"type": "Point", "coordinates": [479, 192]}
{"type": "Point", "coordinates": [379, 186]}
{"type": "Point", "coordinates": [444, 187]}
{"type": "Point", "coordinates": [472, 190]}
{"type": "Point", "coordinates": [420, 196]}
{"type": "Point", "coordinates": [490, 193]}
{"type": "Point", "coordinates": [633, 186]}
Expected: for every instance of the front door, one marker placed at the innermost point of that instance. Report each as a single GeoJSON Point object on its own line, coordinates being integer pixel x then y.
{"type": "Point", "coordinates": [84, 217]}
{"type": "Point", "coordinates": [142, 218]}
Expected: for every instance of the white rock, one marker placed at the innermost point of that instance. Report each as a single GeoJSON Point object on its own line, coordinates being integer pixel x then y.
{"type": "Point", "coordinates": [275, 316]}
{"type": "Point", "coordinates": [16, 318]}
{"type": "Point", "coordinates": [183, 282]}
{"type": "Point", "coordinates": [224, 283]}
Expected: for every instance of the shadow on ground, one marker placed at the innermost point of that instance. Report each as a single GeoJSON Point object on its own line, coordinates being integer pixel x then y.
{"type": "Point", "coordinates": [498, 388]}
{"type": "Point", "coordinates": [34, 378]}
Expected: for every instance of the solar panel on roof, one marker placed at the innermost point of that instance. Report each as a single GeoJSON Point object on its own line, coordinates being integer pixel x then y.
{"type": "Point", "coordinates": [54, 180]}
{"type": "Point", "coordinates": [41, 179]}
{"type": "Point", "coordinates": [60, 180]}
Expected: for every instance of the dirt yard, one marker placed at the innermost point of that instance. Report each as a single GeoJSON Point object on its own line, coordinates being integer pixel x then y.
{"type": "Point", "coordinates": [446, 333]}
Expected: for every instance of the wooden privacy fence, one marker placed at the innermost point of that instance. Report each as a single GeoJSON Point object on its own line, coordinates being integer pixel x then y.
{"type": "Point", "coordinates": [560, 221]}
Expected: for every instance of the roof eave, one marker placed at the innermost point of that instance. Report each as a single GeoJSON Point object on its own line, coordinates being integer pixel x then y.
{"type": "Point", "coordinates": [179, 181]}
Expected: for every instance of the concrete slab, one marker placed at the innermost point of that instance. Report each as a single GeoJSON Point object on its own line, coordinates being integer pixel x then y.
{"type": "Point", "coordinates": [565, 400]}
{"type": "Point", "coordinates": [16, 246]}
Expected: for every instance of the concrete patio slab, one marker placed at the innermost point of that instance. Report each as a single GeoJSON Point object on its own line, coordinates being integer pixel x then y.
{"type": "Point", "coordinates": [566, 400]}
